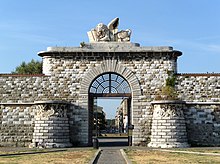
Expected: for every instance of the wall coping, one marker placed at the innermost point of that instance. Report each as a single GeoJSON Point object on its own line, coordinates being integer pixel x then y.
{"type": "Point", "coordinates": [198, 74]}
{"type": "Point", "coordinates": [21, 75]}
{"type": "Point", "coordinates": [152, 102]}
{"type": "Point", "coordinates": [168, 102]}
{"type": "Point", "coordinates": [183, 102]}
{"type": "Point", "coordinates": [22, 103]}
{"type": "Point", "coordinates": [202, 103]}
{"type": "Point", "coordinates": [51, 102]}
{"type": "Point", "coordinates": [37, 102]}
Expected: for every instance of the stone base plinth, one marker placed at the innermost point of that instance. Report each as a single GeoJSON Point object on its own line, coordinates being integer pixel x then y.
{"type": "Point", "coordinates": [51, 132]}
{"type": "Point", "coordinates": [51, 128]}
{"type": "Point", "coordinates": [168, 125]}
{"type": "Point", "coordinates": [168, 145]}
{"type": "Point", "coordinates": [50, 145]}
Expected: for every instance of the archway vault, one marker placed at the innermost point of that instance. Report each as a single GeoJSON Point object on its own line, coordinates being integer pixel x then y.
{"type": "Point", "coordinates": [108, 66]}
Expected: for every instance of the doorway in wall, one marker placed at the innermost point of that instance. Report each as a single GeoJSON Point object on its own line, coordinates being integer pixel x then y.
{"type": "Point", "coordinates": [110, 110]}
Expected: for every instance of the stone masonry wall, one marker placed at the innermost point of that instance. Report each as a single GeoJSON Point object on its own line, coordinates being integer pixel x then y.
{"type": "Point", "coordinates": [203, 123]}
{"type": "Point", "coordinates": [21, 88]}
{"type": "Point", "coordinates": [201, 91]}
{"type": "Point", "coordinates": [65, 72]}
{"type": "Point", "coordinates": [151, 70]}
{"type": "Point", "coordinates": [199, 87]}
{"type": "Point", "coordinates": [17, 124]}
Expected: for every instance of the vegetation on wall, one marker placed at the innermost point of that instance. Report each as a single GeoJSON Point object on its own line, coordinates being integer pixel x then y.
{"type": "Point", "coordinates": [168, 92]}
{"type": "Point", "coordinates": [32, 67]}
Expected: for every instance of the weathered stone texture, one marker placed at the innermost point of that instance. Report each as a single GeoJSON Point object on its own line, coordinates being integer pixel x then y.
{"type": "Point", "coordinates": [52, 131]}
{"type": "Point", "coordinates": [69, 71]}
{"type": "Point", "coordinates": [17, 124]}
{"type": "Point", "coordinates": [168, 125]}
{"type": "Point", "coordinates": [203, 124]}
{"type": "Point", "coordinates": [65, 74]}
{"type": "Point", "coordinates": [199, 87]}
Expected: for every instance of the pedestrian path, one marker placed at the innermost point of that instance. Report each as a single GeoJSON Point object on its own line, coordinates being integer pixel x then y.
{"type": "Point", "coordinates": [111, 156]}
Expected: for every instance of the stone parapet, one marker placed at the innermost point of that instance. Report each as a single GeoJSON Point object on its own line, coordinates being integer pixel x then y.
{"type": "Point", "coordinates": [198, 87]}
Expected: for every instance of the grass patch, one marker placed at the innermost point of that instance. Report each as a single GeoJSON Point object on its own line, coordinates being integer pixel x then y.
{"type": "Point", "coordinates": [201, 150]}
{"type": "Point", "coordinates": [155, 157]}
{"type": "Point", "coordinates": [17, 151]}
{"type": "Point", "coordinates": [70, 156]}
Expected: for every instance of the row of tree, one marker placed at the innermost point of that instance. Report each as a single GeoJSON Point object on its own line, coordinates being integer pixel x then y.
{"type": "Point", "coordinates": [32, 67]}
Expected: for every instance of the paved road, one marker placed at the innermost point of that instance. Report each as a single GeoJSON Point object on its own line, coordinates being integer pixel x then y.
{"type": "Point", "coordinates": [110, 153]}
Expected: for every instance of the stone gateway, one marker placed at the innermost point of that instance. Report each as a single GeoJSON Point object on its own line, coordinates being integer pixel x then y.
{"type": "Point", "coordinates": [55, 108]}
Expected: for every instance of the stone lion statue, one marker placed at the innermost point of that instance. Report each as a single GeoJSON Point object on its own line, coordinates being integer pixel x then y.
{"type": "Point", "coordinates": [102, 32]}
{"type": "Point", "coordinates": [106, 33]}
{"type": "Point", "coordinates": [123, 35]}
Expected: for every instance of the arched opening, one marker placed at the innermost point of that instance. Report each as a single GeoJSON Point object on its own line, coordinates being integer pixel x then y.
{"type": "Point", "coordinates": [108, 86]}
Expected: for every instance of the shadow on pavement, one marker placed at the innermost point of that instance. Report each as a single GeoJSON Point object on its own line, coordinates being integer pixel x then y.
{"type": "Point", "coordinates": [113, 142]}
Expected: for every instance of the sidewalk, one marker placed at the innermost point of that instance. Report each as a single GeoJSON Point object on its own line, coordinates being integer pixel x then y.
{"type": "Point", "coordinates": [111, 156]}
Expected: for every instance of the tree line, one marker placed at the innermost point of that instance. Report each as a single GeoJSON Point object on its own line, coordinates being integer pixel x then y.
{"type": "Point", "coordinates": [32, 67]}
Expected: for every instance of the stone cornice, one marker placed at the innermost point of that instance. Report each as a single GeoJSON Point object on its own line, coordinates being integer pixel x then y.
{"type": "Point", "coordinates": [108, 47]}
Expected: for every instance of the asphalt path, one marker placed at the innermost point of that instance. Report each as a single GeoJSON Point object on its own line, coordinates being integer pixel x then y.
{"type": "Point", "coordinates": [110, 150]}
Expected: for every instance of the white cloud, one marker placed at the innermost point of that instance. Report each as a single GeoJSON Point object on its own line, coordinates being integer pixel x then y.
{"type": "Point", "coordinates": [214, 48]}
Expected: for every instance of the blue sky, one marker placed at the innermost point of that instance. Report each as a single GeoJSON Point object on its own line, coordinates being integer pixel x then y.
{"type": "Point", "coordinates": [191, 26]}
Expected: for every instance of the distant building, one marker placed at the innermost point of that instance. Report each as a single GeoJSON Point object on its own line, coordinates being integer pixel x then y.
{"type": "Point", "coordinates": [121, 118]}
{"type": "Point", "coordinates": [110, 127]}
{"type": "Point", "coordinates": [99, 119]}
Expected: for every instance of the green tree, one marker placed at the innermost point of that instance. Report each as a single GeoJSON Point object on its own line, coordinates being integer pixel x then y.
{"type": "Point", "coordinates": [32, 67]}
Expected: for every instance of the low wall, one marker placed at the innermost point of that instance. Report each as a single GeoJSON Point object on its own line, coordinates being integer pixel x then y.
{"type": "Point", "coordinates": [203, 123]}
{"type": "Point", "coordinates": [17, 124]}
{"type": "Point", "coordinates": [198, 87]}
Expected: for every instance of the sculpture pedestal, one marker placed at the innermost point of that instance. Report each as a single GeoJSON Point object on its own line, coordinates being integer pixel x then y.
{"type": "Point", "coordinates": [168, 125]}
{"type": "Point", "coordinates": [51, 128]}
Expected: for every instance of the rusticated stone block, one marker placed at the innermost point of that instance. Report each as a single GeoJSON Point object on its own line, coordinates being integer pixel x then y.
{"type": "Point", "coordinates": [172, 134]}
